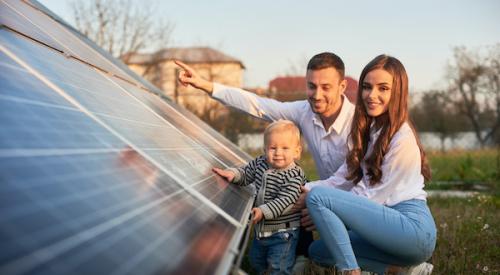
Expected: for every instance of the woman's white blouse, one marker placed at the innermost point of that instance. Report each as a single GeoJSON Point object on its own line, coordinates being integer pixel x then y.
{"type": "Point", "coordinates": [401, 172]}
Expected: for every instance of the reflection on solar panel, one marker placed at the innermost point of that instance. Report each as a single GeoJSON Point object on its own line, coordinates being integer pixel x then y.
{"type": "Point", "coordinates": [98, 175]}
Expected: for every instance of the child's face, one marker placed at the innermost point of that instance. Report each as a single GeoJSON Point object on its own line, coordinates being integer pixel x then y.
{"type": "Point", "coordinates": [282, 148]}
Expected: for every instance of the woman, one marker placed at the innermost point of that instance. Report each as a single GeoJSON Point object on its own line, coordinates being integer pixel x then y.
{"type": "Point", "coordinates": [376, 216]}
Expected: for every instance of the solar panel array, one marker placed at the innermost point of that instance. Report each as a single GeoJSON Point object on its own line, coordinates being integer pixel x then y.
{"type": "Point", "coordinates": [98, 175]}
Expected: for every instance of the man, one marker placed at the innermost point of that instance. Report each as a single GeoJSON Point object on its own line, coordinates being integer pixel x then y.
{"type": "Point", "coordinates": [324, 118]}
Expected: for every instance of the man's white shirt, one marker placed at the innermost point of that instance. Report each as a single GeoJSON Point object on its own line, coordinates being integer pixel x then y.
{"type": "Point", "coordinates": [327, 146]}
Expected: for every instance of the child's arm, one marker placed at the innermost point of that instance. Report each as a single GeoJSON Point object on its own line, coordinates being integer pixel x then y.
{"type": "Point", "coordinates": [287, 195]}
{"type": "Point", "coordinates": [240, 176]}
{"type": "Point", "coordinates": [247, 173]}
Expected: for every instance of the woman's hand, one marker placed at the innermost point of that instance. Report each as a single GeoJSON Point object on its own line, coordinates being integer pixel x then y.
{"type": "Point", "coordinates": [228, 175]}
{"type": "Point", "coordinates": [301, 201]}
{"type": "Point", "coordinates": [257, 215]}
{"type": "Point", "coordinates": [188, 76]}
{"type": "Point", "coordinates": [306, 220]}
{"type": "Point", "coordinates": [300, 205]}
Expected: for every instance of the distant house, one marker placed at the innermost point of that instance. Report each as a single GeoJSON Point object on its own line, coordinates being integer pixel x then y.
{"type": "Point", "coordinates": [288, 84]}
{"type": "Point", "coordinates": [294, 87]}
{"type": "Point", "coordinates": [159, 68]}
{"type": "Point", "coordinates": [351, 92]}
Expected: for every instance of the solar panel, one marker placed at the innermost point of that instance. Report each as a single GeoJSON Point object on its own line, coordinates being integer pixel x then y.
{"type": "Point", "coordinates": [98, 175]}
{"type": "Point", "coordinates": [34, 22]}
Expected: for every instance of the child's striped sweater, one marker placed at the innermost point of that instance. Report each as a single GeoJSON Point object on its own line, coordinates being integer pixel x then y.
{"type": "Point", "coordinates": [277, 192]}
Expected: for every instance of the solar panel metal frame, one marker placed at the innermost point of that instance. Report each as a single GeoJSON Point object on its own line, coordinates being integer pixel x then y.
{"type": "Point", "coordinates": [226, 263]}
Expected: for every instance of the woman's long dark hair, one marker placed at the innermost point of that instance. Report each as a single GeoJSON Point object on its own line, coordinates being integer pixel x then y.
{"type": "Point", "coordinates": [390, 122]}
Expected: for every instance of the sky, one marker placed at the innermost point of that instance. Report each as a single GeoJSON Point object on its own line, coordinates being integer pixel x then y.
{"type": "Point", "coordinates": [271, 37]}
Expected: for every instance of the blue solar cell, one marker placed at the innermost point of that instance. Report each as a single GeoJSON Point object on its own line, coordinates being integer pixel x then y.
{"type": "Point", "coordinates": [15, 20]}
{"type": "Point", "coordinates": [65, 40]}
{"type": "Point", "coordinates": [101, 176]}
{"type": "Point", "coordinates": [184, 155]}
{"type": "Point", "coordinates": [192, 127]}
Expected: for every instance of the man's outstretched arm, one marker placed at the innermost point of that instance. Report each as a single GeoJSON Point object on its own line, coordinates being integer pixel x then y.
{"type": "Point", "coordinates": [250, 103]}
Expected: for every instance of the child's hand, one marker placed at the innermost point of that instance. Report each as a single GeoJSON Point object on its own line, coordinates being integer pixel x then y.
{"type": "Point", "coordinates": [228, 175]}
{"type": "Point", "coordinates": [257, 215]}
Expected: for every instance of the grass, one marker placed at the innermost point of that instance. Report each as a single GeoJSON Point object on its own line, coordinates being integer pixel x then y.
{"type": "Point", "coordinates": [468, 228]}
{"type": "Point", "coordinates": [468, 235]}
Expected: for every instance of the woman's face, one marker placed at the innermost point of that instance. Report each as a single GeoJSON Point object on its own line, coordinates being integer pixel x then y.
{"type": "Point", "coordinates": [377, 90]}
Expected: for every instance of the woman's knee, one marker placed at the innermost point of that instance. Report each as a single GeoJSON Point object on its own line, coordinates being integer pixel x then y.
{"type": "Point", "coordinates": [320, 195]}
{"type": "Point", "coordinates": [314, 196]}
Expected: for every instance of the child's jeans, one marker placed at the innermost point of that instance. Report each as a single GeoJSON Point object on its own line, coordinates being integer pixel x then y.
{"type": "Point", "coordinates": [275, 253]}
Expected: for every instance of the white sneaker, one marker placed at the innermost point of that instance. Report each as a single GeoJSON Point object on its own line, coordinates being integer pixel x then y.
{"type": "Point", "coordinates": [421, 269]}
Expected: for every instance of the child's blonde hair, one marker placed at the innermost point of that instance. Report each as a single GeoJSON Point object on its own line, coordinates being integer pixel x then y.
{"type": "Point", "coordinates": [282, 125]}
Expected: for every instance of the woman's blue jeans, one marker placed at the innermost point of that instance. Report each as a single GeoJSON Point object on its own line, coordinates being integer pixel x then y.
{"type": "Point", "coordinates": [356, 232]}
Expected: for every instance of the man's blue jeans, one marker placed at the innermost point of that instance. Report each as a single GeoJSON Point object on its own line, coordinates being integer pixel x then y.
{"type": "Point", "coordinates": [275, 253]}
{"type": "Point", "coordinates": [356, 232]}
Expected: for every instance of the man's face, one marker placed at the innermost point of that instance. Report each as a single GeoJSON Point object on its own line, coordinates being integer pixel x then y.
{"type": "Point", "coordinates": [324, 89]}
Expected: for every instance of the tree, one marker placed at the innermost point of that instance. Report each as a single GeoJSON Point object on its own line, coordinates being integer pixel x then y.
{"type": "Point", "coordinates": [121, 26]}
{"type": "Point", "coordinates": [437, 114]}
{"type": "Point", "coordinates": [297, 66]}
{"type": "Point", "coordinates": [475, 87]}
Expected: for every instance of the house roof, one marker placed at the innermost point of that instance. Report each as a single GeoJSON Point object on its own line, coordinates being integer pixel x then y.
{"type": "Point", "coordinates": [351, 90]}
{"type": "Point", "coordinates": [352, 84]}
{"type": "Point", "coordinates": [188, 55]}
{"type": "Point", "coordinates": [288, 84]}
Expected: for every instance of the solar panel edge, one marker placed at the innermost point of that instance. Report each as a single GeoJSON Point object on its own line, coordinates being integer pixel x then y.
{"type": "Point", "coordinates": [237, 245]}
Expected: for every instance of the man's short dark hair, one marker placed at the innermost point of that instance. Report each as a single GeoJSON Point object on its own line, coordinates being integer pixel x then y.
{"type": "Point", "coordinates": [326, 60]}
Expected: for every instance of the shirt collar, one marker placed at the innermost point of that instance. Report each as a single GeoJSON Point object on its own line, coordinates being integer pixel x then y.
{"type": "Point", "coordinates": [374, 133]}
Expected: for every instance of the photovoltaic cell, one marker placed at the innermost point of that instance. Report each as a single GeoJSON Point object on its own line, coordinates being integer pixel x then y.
{"type": "Point", "coordinates": [221, 140]}
{"type": "Point", "coordinates": [15, 20]}
{"type": "Point", "coordinates": [83, 221]}
{"type": "Point", "coordinates": [190, 126]}
{"type": "Point", "coordinates": [116, 107]}
{"type": "Point", "coordinates": [34, 117]}
{"type": "Point", "coordinates": [64, 39]}
{"type": "Point", "coordinates": [99, 175]}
